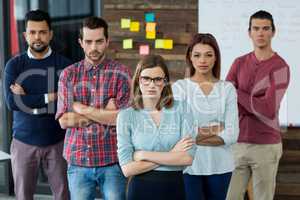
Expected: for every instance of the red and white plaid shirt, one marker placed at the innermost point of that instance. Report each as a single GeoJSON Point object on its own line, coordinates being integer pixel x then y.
{"type": "Point", "coordinates": [96, 144]}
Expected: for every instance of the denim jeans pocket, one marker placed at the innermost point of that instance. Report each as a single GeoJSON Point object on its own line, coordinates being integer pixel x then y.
{"type": "Point", "coordinates": [72, 169]}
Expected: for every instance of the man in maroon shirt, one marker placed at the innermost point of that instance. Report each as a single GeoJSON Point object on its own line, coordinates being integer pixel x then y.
{"type": "Point", "coordinates": [90, 93]}
{"type": "Point", "coordinates": [261, 78]}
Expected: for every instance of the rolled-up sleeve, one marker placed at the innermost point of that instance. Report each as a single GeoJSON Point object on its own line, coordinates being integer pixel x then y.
{"type": "Point", "coordinates": [123, 89]}
{"type": "Point", "coordinates": [231, 120]}
{"type": "Point", "coordinates": [124, 139]}
{"type": "Point", "coordinates": [64, 94]}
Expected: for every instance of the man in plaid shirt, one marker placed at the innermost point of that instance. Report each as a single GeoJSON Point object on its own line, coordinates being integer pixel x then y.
{"type": "Point", "coordinates": [90, 93]}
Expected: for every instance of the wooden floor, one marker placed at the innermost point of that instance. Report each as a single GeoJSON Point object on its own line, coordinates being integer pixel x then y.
{"type": "Point", "coordinates": [288, 177]}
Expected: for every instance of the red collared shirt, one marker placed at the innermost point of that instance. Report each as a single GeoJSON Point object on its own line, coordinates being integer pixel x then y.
{"type": "Point", "coordinates": [94, 145]}
{"type": "Point", "coordinates": [261, 86]}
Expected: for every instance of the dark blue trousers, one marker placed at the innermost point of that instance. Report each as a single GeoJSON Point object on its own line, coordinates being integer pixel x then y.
{"type": "Point", "coordinates": [212, 187]}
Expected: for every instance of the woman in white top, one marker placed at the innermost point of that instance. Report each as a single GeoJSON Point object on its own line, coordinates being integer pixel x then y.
{"type": "Point", "coordinates": [214, 105]}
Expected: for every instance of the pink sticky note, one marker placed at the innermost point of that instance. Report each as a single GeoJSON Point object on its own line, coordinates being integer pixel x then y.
{"type": "Point", "coordinates": [144, 50]}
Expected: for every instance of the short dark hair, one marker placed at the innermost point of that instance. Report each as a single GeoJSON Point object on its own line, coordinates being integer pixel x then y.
{"type": "Point", "coordinates": [262, 14]}
{"type": "Point", "coordinates": [208, 39]}
{"type": "Point", "coordinates": [94, 23]}
{"type": "Point", "coordinates": [150, 61]}
{"type": "Point", "coordinates": [38, 15]}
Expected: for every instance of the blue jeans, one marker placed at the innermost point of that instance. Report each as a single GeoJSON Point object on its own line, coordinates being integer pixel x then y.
{"type": "Point", "coordinates": [84, 180]}
{"type": "Point", "coordinates": [212, 187]}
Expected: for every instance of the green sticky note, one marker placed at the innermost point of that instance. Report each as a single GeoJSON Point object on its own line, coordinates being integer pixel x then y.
{"type": "Point", "coordinates": [159, 44]}
{"type": "Point", "coordinates": [125, 23]}
{"type": "Point", "coordinates": [127, 44]}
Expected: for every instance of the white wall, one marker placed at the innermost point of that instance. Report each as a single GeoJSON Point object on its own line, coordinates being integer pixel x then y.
{"type": "Point", "coordinates": [228, 21]}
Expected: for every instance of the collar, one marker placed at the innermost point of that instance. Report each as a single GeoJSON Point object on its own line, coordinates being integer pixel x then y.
{"type": "Point", "coordinates": [30, 55]}
{"type": "Point", "coordinates": [256, 61]}
{"type": "Point", "coordinates": [88, 66]}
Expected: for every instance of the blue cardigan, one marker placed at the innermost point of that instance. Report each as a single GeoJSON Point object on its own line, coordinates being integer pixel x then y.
{"type": "Point", "coordinates": [136, 130]}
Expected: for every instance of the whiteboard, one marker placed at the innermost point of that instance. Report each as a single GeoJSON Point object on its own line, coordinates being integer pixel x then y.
{"type": "Point", "coordinates": [228, 21]}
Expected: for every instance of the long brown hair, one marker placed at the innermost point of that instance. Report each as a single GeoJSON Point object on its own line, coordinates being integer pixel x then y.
{"type": "Point", "coordinates": [151, 61]}
{"type": "Point", "coordinates": [208, 39]}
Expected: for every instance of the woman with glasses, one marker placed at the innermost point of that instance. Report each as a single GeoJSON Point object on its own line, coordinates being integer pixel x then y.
{"type": "Point", "coordinates": [155, 135]}
{"type": "Point", "coordinates": [214, 109]}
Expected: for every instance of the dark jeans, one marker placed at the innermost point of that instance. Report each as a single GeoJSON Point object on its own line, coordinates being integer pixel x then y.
{"type": "Point", "coordinates": [158, 185]}
{"type": "Point", "coordinates": [212, 187]}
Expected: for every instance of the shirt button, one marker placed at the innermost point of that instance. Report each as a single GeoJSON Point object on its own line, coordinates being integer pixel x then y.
{"type": "Point", "coordinates": [93, 90]}
{"type": "Point", "coordinates": [91, 104]}
{"type": "Point", "coordinates": [89, 146]}
{"type": "Point", "coordinates": [87, 159]}
{"type": "Point", "coordinates": [94, 77]}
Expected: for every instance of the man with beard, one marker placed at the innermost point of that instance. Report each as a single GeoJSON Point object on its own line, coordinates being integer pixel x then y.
{"type": "Point", "coordinates": [30, 92]}
{"type": "Point", "coordinates": [90, 94]}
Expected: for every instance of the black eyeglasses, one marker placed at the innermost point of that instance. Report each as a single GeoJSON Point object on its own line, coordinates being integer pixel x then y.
{"type": "Point", "coordinates": [158, 81]}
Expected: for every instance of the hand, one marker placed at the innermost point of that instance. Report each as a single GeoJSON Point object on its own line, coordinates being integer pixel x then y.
{"type": "Point", "coordinates": [183, 145]}
{"type": "Point", "coordinates": [111, 105]}
{"type": "Point", "coordinates": [211, 130]}
{"type": "Point", "coordinates": [204, 131]}
{"type": "Point", "coordinates": [138, 156]}
{"type": "Point", "coordinates": [75, 118]}
{"type": "Point", "coordinates": [17, 89]}
{"type": "Point", "coordinates": [201, 137]}
{"type": "Point", "coordinates": [84, 123]}
{"type": "Point", "coordinates": [217, 129]}
{"type": "Point", "coordinates": [52, 96]}
{"type": "Point", "coordinates": [81, 108]}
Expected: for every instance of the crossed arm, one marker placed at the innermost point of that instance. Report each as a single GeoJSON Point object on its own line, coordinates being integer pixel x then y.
{"type": "Point", "coordinates": [224, 133]}
{"type": "Point", "coordinates": [208, 136]}
{"type": "Point", "coordinates": [144, 161]}
{"type": "Point", "coordinates": [267, 103]}
{"type": "Point", "coordinates": [29, 100]}
{"type": "Point", "coordinates": [83, 115]}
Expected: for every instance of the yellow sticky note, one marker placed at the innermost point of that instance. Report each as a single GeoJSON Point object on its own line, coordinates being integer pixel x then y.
{"type": "Point", "coordinates": [135, 26]}
{"type": "Point", "coordinates": [159, 44]}
{"type": "Point", "coordinates": [150, 27]}
{"type": "Point", "coordinates": [168, 44]}
{"type": "Point", "coordinates": [150, 35]}
{"type": "Point", "coordinates": [127, 44]}
{"type": "Point", "coordinates": [125, 23]}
